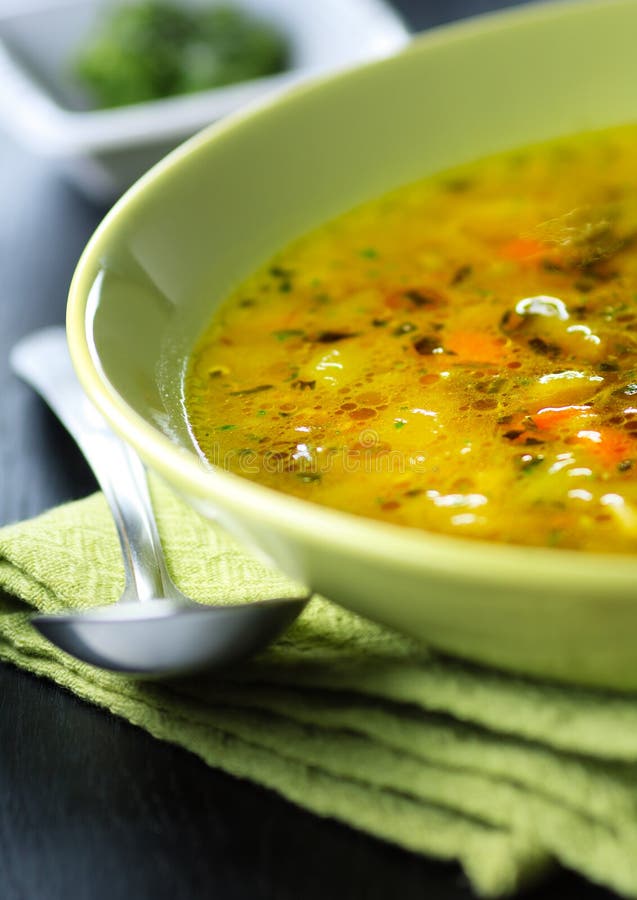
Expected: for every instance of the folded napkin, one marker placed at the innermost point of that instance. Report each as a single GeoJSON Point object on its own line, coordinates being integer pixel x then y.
{"type": "Point", "coordinates": [505, 775]}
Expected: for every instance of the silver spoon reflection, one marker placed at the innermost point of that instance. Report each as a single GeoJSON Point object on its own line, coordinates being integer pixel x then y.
{"type": "Point", "coordinates": [154, 629]}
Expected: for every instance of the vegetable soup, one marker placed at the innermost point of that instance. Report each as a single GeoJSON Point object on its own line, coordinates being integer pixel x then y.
{"type": "Point", "coordinates": [458, 356]}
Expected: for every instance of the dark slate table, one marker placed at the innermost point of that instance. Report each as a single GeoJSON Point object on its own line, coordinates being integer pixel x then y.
{"type": "Point", "coordinates": [91, 807]}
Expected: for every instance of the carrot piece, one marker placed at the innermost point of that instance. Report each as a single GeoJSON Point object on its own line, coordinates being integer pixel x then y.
{"type": "Point", "coordinates": [609, 445]}
{"type": "Point", "coordinates": [476, 346]}
{"type": "Point", "coordinates": [521, 249]}
{"type": "Point", "coordinates": [553, 416]}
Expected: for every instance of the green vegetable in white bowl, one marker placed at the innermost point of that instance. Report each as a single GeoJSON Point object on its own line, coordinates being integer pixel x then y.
{"type": "Point", "coordinates": [158, 48]}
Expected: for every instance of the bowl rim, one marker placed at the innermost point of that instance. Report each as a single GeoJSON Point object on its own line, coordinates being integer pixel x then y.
{"type": "Point", "coordinates": [464, 560]}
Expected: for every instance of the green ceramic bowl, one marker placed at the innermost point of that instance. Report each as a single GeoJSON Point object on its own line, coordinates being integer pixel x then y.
{"type": "Point", "coordinates": [220, 205]}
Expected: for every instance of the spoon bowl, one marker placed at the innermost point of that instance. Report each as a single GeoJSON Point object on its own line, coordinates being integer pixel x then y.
{"type": "Point", "coordinates": [154, 630]}
{"type": "Point", "coordinates": [165, 637]}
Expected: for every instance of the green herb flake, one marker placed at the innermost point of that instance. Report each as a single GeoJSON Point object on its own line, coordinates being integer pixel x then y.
{"type": "Point", "coordinates": [225, 427]}
{"type": "Point", "coordinates": [255, 390]}
{"type": "Point", "coordinates": [309, 477]}
{"type": "Point", "coordinates": [528, 462]}
{"type": "Point", "coordinates": [404, 328]}
{"type": "Point", "coordinates": [287, 333]}
{"type": "Point", "coordinates": [369, 253]}
{"type": "Point", "coordinates": [400, 423]}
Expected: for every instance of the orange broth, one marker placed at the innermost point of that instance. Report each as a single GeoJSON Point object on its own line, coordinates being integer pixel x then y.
{"type": "Point", "coordinates": [458, 356]}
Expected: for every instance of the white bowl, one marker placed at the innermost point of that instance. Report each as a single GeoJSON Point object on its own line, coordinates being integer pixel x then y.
{"type": "Point", "coordinates": [104, 151]}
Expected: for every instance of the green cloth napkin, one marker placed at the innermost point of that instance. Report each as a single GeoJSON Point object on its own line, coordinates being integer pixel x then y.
{"type": "Point", "coordinates": [349, 720]}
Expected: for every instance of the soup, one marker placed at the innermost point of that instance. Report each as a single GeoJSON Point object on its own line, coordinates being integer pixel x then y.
{"type": "Point", "coordinates": [458, 356]}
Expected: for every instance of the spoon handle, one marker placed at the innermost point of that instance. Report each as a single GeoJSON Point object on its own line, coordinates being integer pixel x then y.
{"type": "Point", "coordinates": [43, 361]}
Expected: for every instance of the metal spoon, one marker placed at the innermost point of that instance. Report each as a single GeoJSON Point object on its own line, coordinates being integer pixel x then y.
{"type": "Point", "coordinates": [154, 629]}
